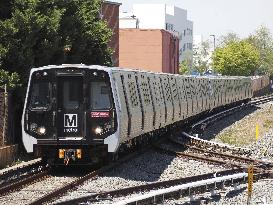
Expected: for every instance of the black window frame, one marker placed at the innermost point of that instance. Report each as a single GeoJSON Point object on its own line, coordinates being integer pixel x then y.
{"type": "Point", "coordinates": [90, 104]}
{"type": "Point", "coordinates": [30, 104]}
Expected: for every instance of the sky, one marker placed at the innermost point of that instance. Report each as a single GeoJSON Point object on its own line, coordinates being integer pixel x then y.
{"type": "Point", "coordinates": [219, 17]}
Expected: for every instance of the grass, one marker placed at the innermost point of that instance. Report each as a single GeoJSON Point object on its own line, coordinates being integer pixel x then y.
{"type": "Point", "coordinates": [243, 132]}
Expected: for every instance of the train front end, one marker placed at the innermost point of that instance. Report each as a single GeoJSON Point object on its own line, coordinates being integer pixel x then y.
{"type": "Point", "coordinates": [69, 114]}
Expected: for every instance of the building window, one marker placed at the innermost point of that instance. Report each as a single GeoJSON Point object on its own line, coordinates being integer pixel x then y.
{"type": "Point", "coordinates": [180, 52]}
{"type": "Point", "coordinates": [184, 47]}
{"type": "Point", "coordinates": [189, 46]}
{"type": "Point", "coordinates": [169, 27]}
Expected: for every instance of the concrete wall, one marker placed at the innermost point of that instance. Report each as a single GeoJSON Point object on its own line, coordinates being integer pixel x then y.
{"type": "Point", "coordinates": [110, 12]}
{"type": "Point", "coordinates": [8, 154]}
{"type": "Point", "coordinates": [148, 49]}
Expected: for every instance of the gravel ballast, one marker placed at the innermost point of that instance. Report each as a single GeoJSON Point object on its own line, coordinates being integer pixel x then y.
{"type": "Point", "coordinates": [34, 191]}
{"type": "Point", "coordinates": [153, 166]}
{"type": "Point", "coordinates": [147, 168]}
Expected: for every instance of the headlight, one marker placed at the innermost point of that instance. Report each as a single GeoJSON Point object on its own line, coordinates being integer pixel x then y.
{"type": "Point", "coordinates": [98, 130]}
{"type": "Point", "coordinates": [41, 130]}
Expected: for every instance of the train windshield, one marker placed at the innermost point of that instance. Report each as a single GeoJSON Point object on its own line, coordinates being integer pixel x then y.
{"type": "Point", "coordinates": [40, 95]}
{"type": "Point", "coordinates": [100, 96]}
{"type": "Point", "coordinates": [72, 88]}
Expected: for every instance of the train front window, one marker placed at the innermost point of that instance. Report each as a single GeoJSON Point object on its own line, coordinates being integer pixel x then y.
{"type": "Point", "coordinates": [40, 95]}
{"type": "Point", "coordinates": [100, 96]}
{"type": "Point", "coordinates": [72, 93]}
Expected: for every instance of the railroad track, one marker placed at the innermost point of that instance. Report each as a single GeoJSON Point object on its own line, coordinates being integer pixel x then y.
{"type": "Point", "coordinates": [47, 186]}
{"type": "Point", "coordinates": [21, 175]}
{"type": "Point", "coordinates": [189, 140]}
{"type": "Point", "coordinates": [202, 124]}
{"type": "Point", "coordinates": [17, 170]}
{"type": "Point", "coordinates": [213, 152]}
{"type": "Point", "coordinates": [214, 157]}
{"type": "Point", "coordinates": [156, 192]}
{"type": "Point", "coordinates": [202, 187]}
{"type": "Point", "coordinates": [194, 144]}
{"type": "Point", "coordinates": [262, 99]}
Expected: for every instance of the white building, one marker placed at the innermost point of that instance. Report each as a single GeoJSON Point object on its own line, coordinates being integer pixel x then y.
{"type": "Point", "coordinates": [162, 16]}
{"type": "Point", "coordinates": [128, 20]}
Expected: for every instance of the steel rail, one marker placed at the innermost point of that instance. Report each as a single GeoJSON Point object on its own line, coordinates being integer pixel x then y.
{"type": "Point", "coordinates": [261, 99]}
{"type": "Point", "coordinates": [150, 186]}
{"type": "Point", "coordinates": [229, 156]}
{"type": "Point", "coordinates": [258, 162]}
{"type": "Point", "coordinates": [261, 168]}
{"type": "Point", "coordinates": [187, 138]}
{"type": "Point", "coordinates": [20, 167]}
{"type": "Point", "coordinates": [162, 192]}
{"type": "Point", "coordinates": [153, 194]}
{"type": "Point", "coordinates": [59, 191]}
{"type": "Point", "coordinates": [197, 157]}
{"type": "Point", "coordinates": [204, 122]}
{"type": "Point", "coordinates": [27, 180]}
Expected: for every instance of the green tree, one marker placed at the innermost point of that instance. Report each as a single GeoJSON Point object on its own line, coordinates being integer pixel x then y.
{"type": "Point", "coordinates": [236, 58]}
{"type": "Point", "coordinates": [228, 38]}
{"type": "Point", "coordinates": [42, 32]}
{"type": "Point", "coordinates": [262, 40]}
{"type": "Point", "coordinates": [184, 68]}
{"type": "Point", "coordinates": [201, 57]}
{"type": "Point", "coordinates": [186, 65]}
{"type": "Point", "coordinates": [12, 80]}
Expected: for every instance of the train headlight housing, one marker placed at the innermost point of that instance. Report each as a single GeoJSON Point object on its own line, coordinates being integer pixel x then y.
{"type": "Point", "coordinates": [98, 130]}
{"type": "Point", "coordinates": [41, 130]}
{"type": "Point", "coordinates": [33, 127]}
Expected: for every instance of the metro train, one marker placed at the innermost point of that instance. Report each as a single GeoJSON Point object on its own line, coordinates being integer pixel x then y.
{"type": "Point", "coordinates": [81, 114]}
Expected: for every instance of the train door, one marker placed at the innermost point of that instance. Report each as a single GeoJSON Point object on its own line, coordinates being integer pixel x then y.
{"type": "Point", "coordinates": [70, 107]}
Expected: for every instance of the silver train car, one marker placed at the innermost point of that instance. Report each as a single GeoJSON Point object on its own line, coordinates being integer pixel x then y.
{"type": "Point", "coordinates": [79, 114]}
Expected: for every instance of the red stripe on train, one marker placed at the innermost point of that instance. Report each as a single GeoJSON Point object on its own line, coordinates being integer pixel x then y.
{"type": "Point", "coordinates": [100, 114]}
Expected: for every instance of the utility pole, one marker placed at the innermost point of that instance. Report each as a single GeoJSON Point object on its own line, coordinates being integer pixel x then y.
{"type": "Point", "coordinates": [213, 41]}
{"type": "Point", "coordinates": [213, 47]}
{"type": "Point", "coordinates": [4, 137]}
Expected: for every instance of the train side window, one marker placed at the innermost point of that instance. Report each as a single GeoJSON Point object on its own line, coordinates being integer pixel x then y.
{"type": "Point", "coordinates": [40, 95]}
{"type": "Point", "coordinates": [100, 96]}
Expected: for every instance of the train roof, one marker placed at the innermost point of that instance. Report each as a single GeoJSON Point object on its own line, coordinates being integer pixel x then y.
{"type": "Point", "coordinates": [110, 69]}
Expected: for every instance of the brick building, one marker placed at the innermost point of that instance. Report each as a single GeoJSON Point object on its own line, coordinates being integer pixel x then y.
{"type": "Point", "coordinates": [110, 12]}
{"type": "Point", "coordinates": [149, 49]}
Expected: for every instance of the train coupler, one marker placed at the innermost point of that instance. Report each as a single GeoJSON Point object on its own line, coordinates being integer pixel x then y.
{"type": "Point", "coordinates": [70, 155]}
